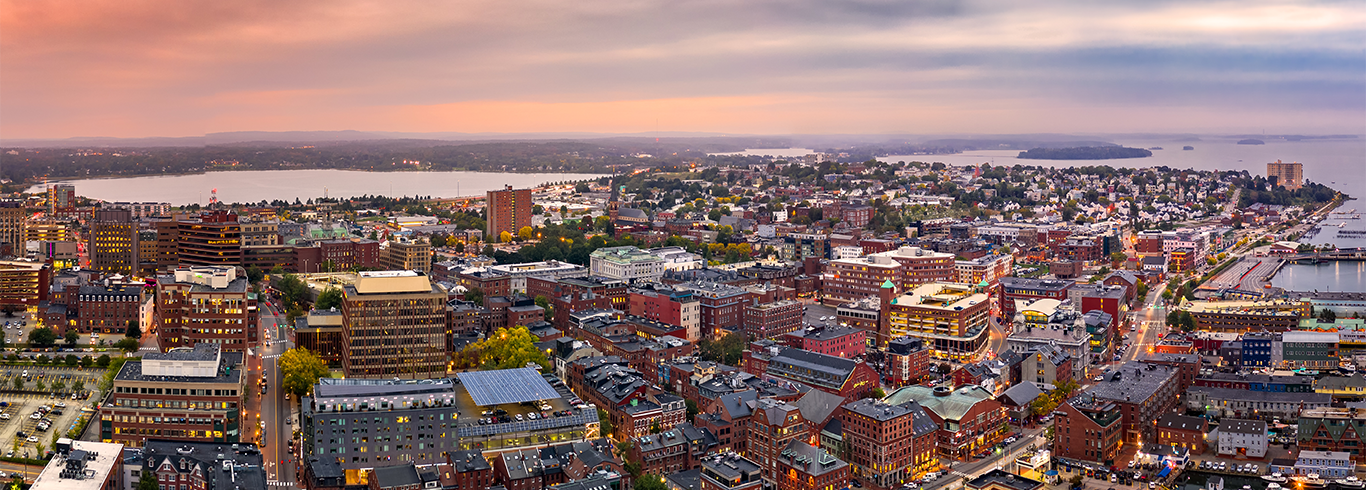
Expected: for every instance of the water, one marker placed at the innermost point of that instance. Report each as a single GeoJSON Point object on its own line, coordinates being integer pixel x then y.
{"type": "Point", "coordinates": [1338, 276]}
{"type": "Point", "coordinates": [288, 185]}
{"type": "Point", "coordinates": [1345, 227]}
{"type": "Point", "coordinates": [1339, 164]}
{"type": "Point", "coordinates": [771, 152]}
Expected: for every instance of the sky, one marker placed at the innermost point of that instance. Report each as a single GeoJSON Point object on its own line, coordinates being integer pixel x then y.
{"type": "Point", "coordinates": [138, 68]}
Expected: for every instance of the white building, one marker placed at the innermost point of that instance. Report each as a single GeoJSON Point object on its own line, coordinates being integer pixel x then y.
{"type": "Point", "coordinates": [848, 252]}
{"type": "Point", "coordinates": [1326, 464]}
{"type": "Point", "coordinates": [677, 259]}
{"type": "Point", "coordinates": [1242, 438]}
{"type": "Point", "coordinates": [627, 263]}
{"type": "Point", "coordinates": [551, 268]}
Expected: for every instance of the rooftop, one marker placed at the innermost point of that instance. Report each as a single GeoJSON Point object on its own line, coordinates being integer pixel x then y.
{"type": "Point", "coordinates": [1002, 479]}
{"type": "Point", "coordinates": [949, 405]}
{"type": "Point", "coordinates": [1182, 422]}
{"type": "Point", "coordinates": [942, 296]}
{"type": "Point", "coordinates": [1133, 382]}
{"type": "Point", "coordinates": [1240, 426]}
{"type": "Point", "coordinates": [85, 467]}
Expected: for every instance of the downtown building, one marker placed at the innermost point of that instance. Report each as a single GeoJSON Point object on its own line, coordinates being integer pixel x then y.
{"type": "Point", "coordinates": [214, 238]}
{"type": "Point", "coordinates": [508, 210]}
{"type": "Point", "coordinates": [184, 394]}
{"type": "Point", "coordinates": [394, 326]}
{"type": "Point", "coordinates": [889, 445]}
{"type": "Point", "coordinates": [113, 242]}
{"type": "Point", "coordinates": [206, 305]}
{"type": "Point", "coordinates": [1024, 289]}
{"type": "Point", "coordinates": [847, 280]}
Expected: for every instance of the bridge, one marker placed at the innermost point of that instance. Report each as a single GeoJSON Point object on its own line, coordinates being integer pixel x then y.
{"type": "Point", "coordinates": [1320, 257]}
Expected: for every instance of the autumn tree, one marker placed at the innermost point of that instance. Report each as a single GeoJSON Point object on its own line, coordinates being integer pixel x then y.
{"type": "Point", "coordinates": [509, 348]}
{"type": "Point", "coordinates": [301, 370]}
{"type": "Point", "coordinates": [328, 299]}
{"type": "Point", "coordinates": [526, 233]}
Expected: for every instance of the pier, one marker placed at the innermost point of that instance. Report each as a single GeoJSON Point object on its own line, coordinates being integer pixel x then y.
{"type": "Point", "coordinates": [1320, 257]}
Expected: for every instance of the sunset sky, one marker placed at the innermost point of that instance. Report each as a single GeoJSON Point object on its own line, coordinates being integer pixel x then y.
{"type": "Point", "coordinates": [134, 68]}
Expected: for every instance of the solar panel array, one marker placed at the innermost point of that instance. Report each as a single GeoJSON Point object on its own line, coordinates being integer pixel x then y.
{"type": "Point", "coordinates": [507, 386]}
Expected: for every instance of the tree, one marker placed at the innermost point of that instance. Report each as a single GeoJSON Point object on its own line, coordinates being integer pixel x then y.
{"type": "Point", "coordinates": [460, 247]}
{"type": "Point", "coordinates": [86, 361]}
{"type": "Point", "coordinates": [505, 237]}
{"type": "Point", "coordinates": [1118, 257]}
{"type": "Point", "coordinates": [726, 351]}
{"type": "Point", "coordinates": [71, 360]}
{"type": "Point", "coordinates": [604, 422]}
{"type": "Point", "coordinates": [544, 303]}
{"type": "Point", "coordinates": [255, 274]}
{"type": "Point", "coordinates": [475, 295]}
{"type": "Point", "coordinates": [438, 240]}
{"type": "Point", "coordinates": [509, 348]}
{"type": "Point", "coordinates": [300, 370]}
{"type": "Point", "coordinates": [127, 344]}
{"type": "Point", "coordinates": [877, 393]}
{"type": "Point", "coordinates": [292, 290]}
{"type": "Point", "coordinates": [18, 383]}
{"type": "Point", "coordinates": [148, 481]}
{"type": "Point", "coordinates": [72, 337]}
{"type": "Point", "coordinates": [692, 409]}
{"type": "Point", "coordinates": [1076, 481]}
{"type": "Point", "coordinates": [1328, 316]}
{"type": "Point", "coordinates": [59, 386]}
{"type": "Point", "coordinates": [102, 362]}
{"type": "Point", "coordinates": [582, 187]}
{"type": "Point", "coordinates": [328, 299]}
{"type": "Point", "coordinates": [42, 337]}
{"type": "Point", "coordinates": [134, 329]}
{"type": "Point", "coordinates": [526, 233]}
{"type": "Point", "coordinates": [39, 385]}
{"type": "Point", "coordinates": [650, 482]}
{"type": "Point", "coordinates": [655, 428]}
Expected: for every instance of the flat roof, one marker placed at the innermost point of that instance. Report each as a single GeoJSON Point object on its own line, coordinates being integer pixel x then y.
{"type": "Point", "coordinates": [507, 386]}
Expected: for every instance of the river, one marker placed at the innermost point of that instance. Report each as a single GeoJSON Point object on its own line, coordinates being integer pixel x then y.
{"type": "Point", "coordinates": [257, 185]}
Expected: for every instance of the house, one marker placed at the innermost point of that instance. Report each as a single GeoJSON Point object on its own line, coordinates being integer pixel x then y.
{"type": "Point", "coordinates": [1242, 439]}
{"type": "Point", "coordinates": [1183, 431]}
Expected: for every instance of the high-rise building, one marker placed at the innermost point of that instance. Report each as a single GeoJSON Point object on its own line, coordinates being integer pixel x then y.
{"type": "Point", "coordinates": [1288, 175]}
{"type": "Point", "coordinates": [12, 214]}
{"type": "Point", "coordinates": [508, 210]}
{"type": "Point", "coordinates": [63, 196]}
{"type": "Point", "coordinates": [196, 305]}
{"type": "Point", "coordinates": [214, 238]}
{"type": "Point", "coordinates": [113, 245]}
{"type": "Point", "coordinates": [395, 326]}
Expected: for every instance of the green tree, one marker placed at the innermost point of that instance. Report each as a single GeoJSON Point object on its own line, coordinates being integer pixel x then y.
{"type": "Point", "coordinates": [39, 385]}
{"type": "Point", "coordinates": [78, 386]}
{"type": "Point", "coordinates": [727, 350]}
{"type": "Point", "coordinates": [42, 337]}
{"type": "Point", "coordinates": [292, 290]}
{"type": "Point", "coordinates": [650, 482]}
{"type": "Point", "coordinates": [655, 428]}
{"type": "Point", "coordinates": [328, 299]}
{"type": "Point", "coordinates": [877, 393]}
{"type": "Point", "coordinates": [604, 422]}
{"type": "Point", "coordinates": [127, 344]}
{"type": "Point", "coordinates": [148, 481]}
{"type": "Point", "coordinates": [18, 383]}
{"type": "Point", "coordinates": [475, 295]}
{"type": "Point", "coordinates": [301, 370]}
{"type": "Point", "coordinates": [71, 360]}
{"type": "Point", "coordinates": [134, 330]}
{"type": "Point", "coordinates": [86, 361]}
{"type": "Point", "coordinates": [1328, 316]}
{"type": "Point", "coordinates": [544, 303]}
{"type": "Point", "coordinates": [59, 386]}
{"type": "Point", "coordinates": [255, 274]}
{"type": "Point", "coordinates": [692, 409]}
{"type": "Point", "coordinates": [509, 348]}
{"type": "Point", "coordinates": [72, 337]}
{"type": "Point", "coordinates": [437, 240]}
{"type": "Point", "coordinates": [277, 271]}
{"type": "Point", "coordinates": [102, 362]}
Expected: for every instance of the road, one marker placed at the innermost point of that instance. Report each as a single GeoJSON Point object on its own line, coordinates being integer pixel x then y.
{"type": "Point", "coordinates": [1150, 322]}
{"type": "Point", "coordinates": [959, 471]}
{"type": "Point", "coordinates": [272, 408]}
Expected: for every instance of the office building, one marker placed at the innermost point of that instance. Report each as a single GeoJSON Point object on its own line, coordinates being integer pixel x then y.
{"type": "Point", "coordinates": [83, 465]}
{"type": "Point", "coordinates": [950, 317]}
{"type": "Point", "coordinates": [771, 320]}
{"type": "Point", "coordinates": [407, 255]}
{"type": "Point", "coordinates": [395, 326]}
{"type": "Point", "coordinates": [1088, 429]}
{"type": "Point", "coordinates": [12, 218]}
{"type": "Point", "coordinates": [109, 308]}
{"type": "Point", "coordinates": [730, 471]}
{"type": "Point", "coordinates": [802, 466]}
{"type": "Point", "coordinates": [184, 394]}
{"type": "Point", "coordinates": [838, 341]}
{"type": "Point", "coordinates": [1014, 289]}
{"type": "Point", "coordinates": [888, 444]}
{"type": "Point", "coordinates": [260, 233]}
{"type": "Point", "coordinates": [906, 267]}
{"type": "Point", "coordinates": [113, 243]}
{"type": "Point", "coordinates": [1142, 392]}
{"type": "Point", "coordinates": [508, 210]}
{"type": "Point", "coordinates": [23, 282]}
{"type": "Point", "coordinates": [213, 238]}
{"type": "Point", "coordinates": [197, 305]}
{"type": "Point", "coordinates": [968, 418]}
{"type": "Point", "coordinates": [1287, 175]}
{"type": "Point", "coordinates": [668, 305]}
{"type": "Point", "coordinates": [139, 209]}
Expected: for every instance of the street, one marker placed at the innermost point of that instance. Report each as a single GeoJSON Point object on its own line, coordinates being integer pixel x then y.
{"type": "Point", "coordinates": [1150, 321]}
{"type": "Point", "coordinates": [272, 408]}
{"type": "Point", "coordinates": [959, 471]}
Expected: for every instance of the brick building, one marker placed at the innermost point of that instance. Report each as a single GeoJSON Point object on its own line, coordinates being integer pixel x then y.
{"type": "Point", "coordinates": [186, 394]}
{"type": "Point", "coordinates": [907, 360]}
{"type": "Point", "coordinates": [846, 342]}
{"type": "Point", "coordinates": [888, 444]}
{"type": "Point", "coordinates": [1183, 431]}
{"type": "Point", "coordinates": [769, 320]}
{"type": "Point", "coordinates": [802, 466]}
{"type": "Point", "coordinates": [1088, 429]}
{"type": "Point", "coordinates": [211, 305]}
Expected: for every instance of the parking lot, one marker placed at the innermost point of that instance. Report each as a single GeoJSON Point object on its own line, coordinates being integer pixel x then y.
{"type": "Point", "coordinates": [58, 410]}
{"type": "Point", "coordinates": [17, 328]}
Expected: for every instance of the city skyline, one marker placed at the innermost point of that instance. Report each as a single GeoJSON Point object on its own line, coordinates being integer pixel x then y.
{"type": "Point", "coordinates": [171, 69]}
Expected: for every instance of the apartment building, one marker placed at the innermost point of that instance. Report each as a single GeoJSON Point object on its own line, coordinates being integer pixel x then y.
{"type": "Point", "coordinates": [197, 305]}
{"type": "Point", "coordinates": [183, 394]}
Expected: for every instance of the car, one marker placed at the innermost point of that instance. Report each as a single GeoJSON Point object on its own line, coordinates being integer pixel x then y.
{"type": "Point", "coordinates": [1098, 378]}
{"type": "Point", "coordinates": [1152, 485]}
{"type": "Point", "coordinates": [519, 417]}
{"type": "Point", "coordinates": [59, 405]}
{"type": "Point", "coordinates": [32, 439]}
{"type": "Point", "coordinates": [9, 454]}
{"type": "Point", "coordinates": [25, 373]}
{"type": "Point", "coordinates": [1113, 478]}
{"type": "Point", "coordinates": [36, 416]}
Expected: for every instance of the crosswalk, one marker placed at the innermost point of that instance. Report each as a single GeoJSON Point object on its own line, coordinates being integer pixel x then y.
{"type": "Point", "coordinates": [280, 484]}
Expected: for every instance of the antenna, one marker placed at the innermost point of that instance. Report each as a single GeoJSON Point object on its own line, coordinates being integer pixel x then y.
{"type": "Point", "coordinates": [213, 197]}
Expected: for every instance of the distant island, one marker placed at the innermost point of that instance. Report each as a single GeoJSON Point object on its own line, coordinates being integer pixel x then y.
{"type": "Point", "coordinates": [1251, 141]}
{"type": "Point", "coordinates": [1085, 153]}
{"type": "Point", "coordinates": [1188, 147]}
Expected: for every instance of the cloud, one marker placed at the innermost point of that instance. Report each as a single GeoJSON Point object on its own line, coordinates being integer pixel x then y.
{"type": "Point", "coordinates": [138, 68]}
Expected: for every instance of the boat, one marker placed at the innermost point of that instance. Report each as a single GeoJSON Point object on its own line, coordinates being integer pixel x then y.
{"type": "Point", "coordinates": [1274, 477]}
{"type": "Point", "coordinates": [1351, 482]}
{"type": "Point", "coordinates": [1273, 486]}
{"type": "Point", "coordinates": [1188, 147]}
{"type": "Point", "coordinates": [1313, 481]}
